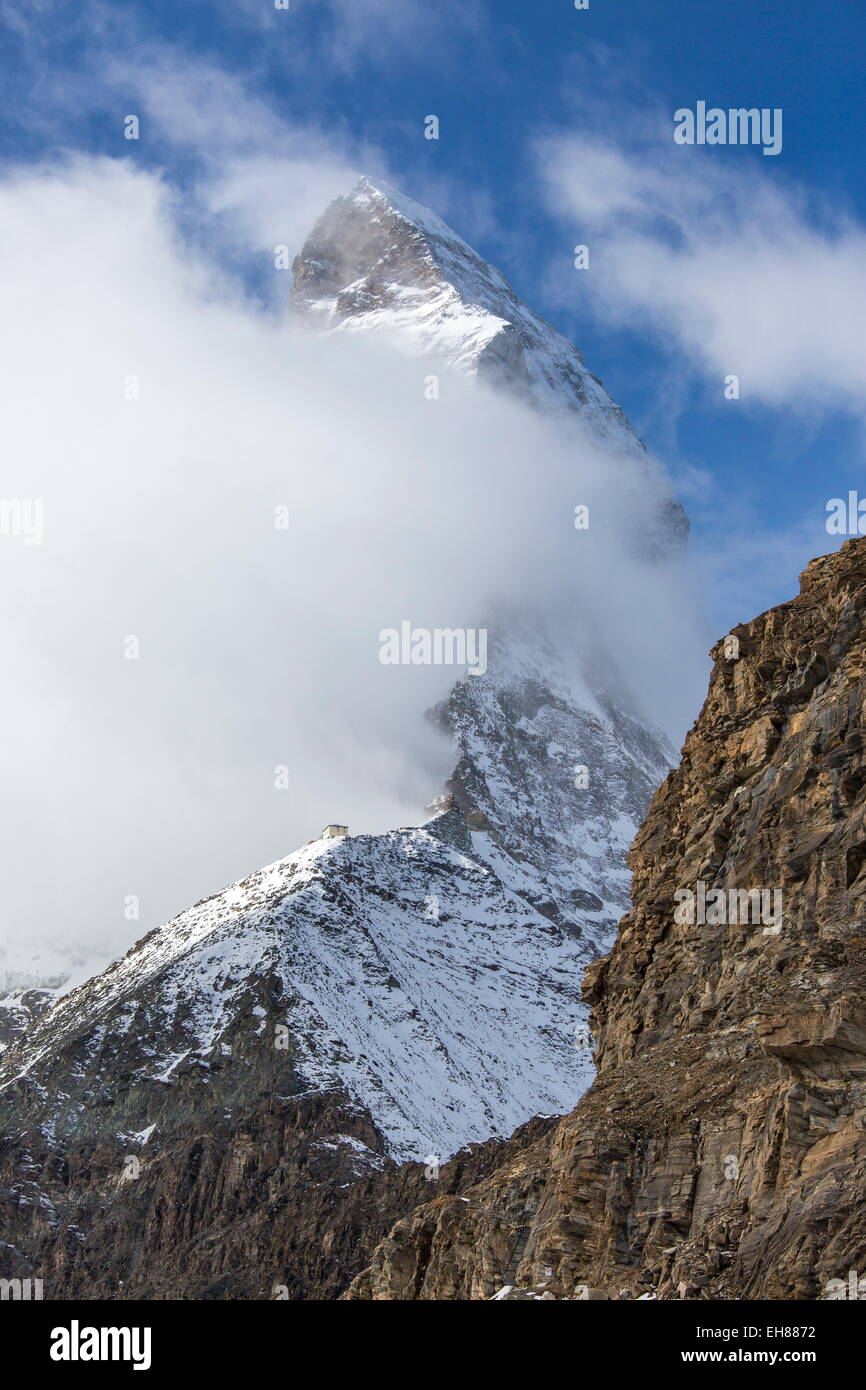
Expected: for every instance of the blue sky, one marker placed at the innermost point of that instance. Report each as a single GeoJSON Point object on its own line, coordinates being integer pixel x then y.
{"type": "Point", "coordinates": [732, 262]}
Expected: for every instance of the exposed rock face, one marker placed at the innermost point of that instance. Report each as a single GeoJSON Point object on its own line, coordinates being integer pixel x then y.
{"type": "Point", "coordinates": [721, 1153]}
{"type": "Point", "coordinates": [19, 1009]}
{"type": "Point", "coordinates": [286, 1204]}
{"type": "Point", "coordinates": [558, 839]}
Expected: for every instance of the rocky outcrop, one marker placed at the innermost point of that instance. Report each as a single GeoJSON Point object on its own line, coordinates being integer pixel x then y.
{"type": "Point", "coordinates": [556, 835]}
{"type": "Point", "coordinates": [287, 1204]}
{"type": "Point", "coordinates": [721, 1152]}
{"type": "Point", "coordinates": [19, 1009]}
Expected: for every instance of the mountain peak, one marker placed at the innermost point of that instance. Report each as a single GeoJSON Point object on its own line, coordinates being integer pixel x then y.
{"type": "Point", "coordinates": [378, 195]}
{"type": "Point", "coordinates": [378, 260]}
{"type": "Point", "coordinates": [376, 239]}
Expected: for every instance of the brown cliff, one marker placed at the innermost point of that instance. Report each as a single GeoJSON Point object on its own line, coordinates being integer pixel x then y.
{"type": "Point", "coordinates": [721, 1153]}
{"type": "Point", "coordinates": [285, 1205]}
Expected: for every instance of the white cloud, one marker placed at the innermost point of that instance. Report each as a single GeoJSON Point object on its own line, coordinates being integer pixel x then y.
{"type": "Point", "coordinates": [262, 179]}
{"type": "Point", "coordinates": [728, 263]}
{"type": "Point", "coordinates": [259, 647]}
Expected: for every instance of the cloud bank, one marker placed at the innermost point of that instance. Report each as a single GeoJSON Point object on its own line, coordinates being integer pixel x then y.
{"type": "Point", "coordinates": [234, 509]}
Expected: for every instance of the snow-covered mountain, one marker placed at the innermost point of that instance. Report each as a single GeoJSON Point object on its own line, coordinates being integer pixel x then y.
{"type": "Point", "coordinates": [431, 975]}
{"type": "Point", "coordinates": [397, 967]}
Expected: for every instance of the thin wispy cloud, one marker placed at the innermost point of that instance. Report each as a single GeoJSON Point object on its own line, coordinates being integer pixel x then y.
{"type": "Point", "coordinates": [730, 268]}
{"type": "Point", "coordinates": [378, 30]}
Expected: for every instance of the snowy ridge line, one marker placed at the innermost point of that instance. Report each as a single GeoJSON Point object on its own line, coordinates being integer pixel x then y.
{"type": "Point", "coordinates": [445, 1028]}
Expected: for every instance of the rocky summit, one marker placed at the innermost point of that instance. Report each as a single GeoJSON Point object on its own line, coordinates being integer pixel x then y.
{"type": "Point", "coordinates": [721, 1151]}
{"type": "Point", "coordinates": [379, 262]}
